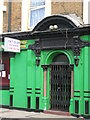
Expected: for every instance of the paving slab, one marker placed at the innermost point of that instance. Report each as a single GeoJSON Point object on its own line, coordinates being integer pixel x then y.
{"type": "Point", "coordinates": [8, 113]}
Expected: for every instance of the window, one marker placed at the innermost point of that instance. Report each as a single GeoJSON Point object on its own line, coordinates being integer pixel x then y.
{"type": "Point", "coordinates": [34, 11]}
{"type": "Point", "coordinates": [36, 3]}
{"type": "Point", "coordinates": [37, 11]}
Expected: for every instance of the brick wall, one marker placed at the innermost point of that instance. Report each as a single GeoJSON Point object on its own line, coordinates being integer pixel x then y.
{"type": "Point", "coordinates": [67, 8]}
{"type": "Point", "coordinates": [5, 18]}
{"type": "Point", "coordinates": [57, 7]}
{"type": "Point", "coordinates": [15, 16]}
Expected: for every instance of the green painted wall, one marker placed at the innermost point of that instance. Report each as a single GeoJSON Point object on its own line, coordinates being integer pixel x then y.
{"type": "Point", "coordinates": [82, 80]}
{"type": "Point", "coordinates": [18, 79]}
{"type": "Point", "coordinates": [87, 76]}
{"type": "Point", "coordinates": [24, 74]}
{"type": "Point", "coordinates": [4, 97]}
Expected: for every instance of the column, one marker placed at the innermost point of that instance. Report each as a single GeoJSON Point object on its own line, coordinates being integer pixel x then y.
{"type": "Point", "coordinates": [72, 75]}
{"type": "Point", "coordinates": [72, 84]}
{"type": "Point", "coordinates": [45, 81]}
{"type": "Point", "coordinates": [71, 109]}
{"type": "Point", "coordinates": [44, 87]}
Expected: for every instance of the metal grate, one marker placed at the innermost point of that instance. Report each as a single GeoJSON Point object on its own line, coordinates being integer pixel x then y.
{"type": "Point", "coordinates": [60, 87]}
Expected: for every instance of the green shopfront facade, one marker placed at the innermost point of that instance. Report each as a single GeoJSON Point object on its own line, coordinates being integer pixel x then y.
{"type": "Point", "coordinates": [52, 72]}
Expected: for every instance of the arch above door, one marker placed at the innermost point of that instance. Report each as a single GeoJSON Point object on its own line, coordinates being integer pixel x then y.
{"type": "Point", "coordinates": [52, 54]}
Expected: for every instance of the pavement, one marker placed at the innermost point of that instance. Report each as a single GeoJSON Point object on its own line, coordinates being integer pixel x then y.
{"type": "Point", "coordinates": [8, 113]}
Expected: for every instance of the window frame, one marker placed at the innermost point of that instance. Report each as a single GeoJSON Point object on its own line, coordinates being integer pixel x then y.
{"type": "Point", "coordinates": [47, 7]}
{"type": "Point", "coordinates": [33, 9]}
{"type": "Point", "coordinates": [25, 23]}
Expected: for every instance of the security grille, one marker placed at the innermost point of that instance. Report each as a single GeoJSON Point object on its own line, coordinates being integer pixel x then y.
{"type": "Point", "coordinates": [60, 87]}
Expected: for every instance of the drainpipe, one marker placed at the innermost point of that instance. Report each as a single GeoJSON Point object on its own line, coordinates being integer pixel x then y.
{"type": "Point", "coordinates": [9, 17]}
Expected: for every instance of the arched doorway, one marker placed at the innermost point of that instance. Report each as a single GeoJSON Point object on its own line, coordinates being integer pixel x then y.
{"type": "Point", "coordinates": [60, 83]}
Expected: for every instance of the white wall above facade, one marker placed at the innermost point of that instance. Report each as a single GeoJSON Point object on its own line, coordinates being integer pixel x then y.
{"type": "Point", "coordinates": [86, 12]}
{"type": "Point", "coordinates": [24, 18]}
{"type": "Point", "coordinates": [48, 8]}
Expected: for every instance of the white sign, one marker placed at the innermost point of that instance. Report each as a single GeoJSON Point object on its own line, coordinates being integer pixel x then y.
{"type": "Point", "coordinates": [3, 73]}
{"type": "Point", "coordinates": [11, 45]}
{"type": "Point", "coordinates": [9, 76]}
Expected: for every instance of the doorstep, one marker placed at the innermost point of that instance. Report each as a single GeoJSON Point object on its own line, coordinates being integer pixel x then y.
{"type": "Point", "coordinates": [57, 112]}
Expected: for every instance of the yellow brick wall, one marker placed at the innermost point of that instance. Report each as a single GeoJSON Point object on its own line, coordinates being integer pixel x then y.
{"type": "Point", "coordinates": [5, 18]}
{"type": "Point", "coordinates": [15, 16]}
{"type": "Point", "coordinates": [57, 7]}
{"type": "Point", "coordinates": [67, 8]}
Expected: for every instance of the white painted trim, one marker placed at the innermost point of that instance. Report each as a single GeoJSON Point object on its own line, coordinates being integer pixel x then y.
{"type": "Point", "coordinates": [47, 8]}
{"type": "Point", "coordinates": [4, 9]}
{"type": "Point", "coordinates": [24, 19]}
{"type": "Point", "coordinates": [39, 7]}
{"type": "Point", "coordinates": [85, 11]}
{"type": "Point", "coordinates": [66, 0]}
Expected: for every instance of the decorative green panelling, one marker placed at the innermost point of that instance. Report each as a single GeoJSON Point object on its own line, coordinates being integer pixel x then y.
{"type": "Point", "coordinates": [4, 97]}
{"type": "Point", "coordinates": [47, 56]}
{"type": "Point", "coordinates": [86, 70]}
{"type": "Point", "coordinates": [30, 42]}
{"type": "Point", "coordinates": [47, 59]}
{"type": "Point", "coordinates": [18, 79]}
{"type": "Point", "coordinates": [52, 54]}
{"type": "Point", "coordinates": [24, 73]}
{"type": "Point", "coordinates": [32, 77]}
{"type": "Point", "coordinates": [12, 69]}
{"type": "Point", "coordinates": [85, 38]}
